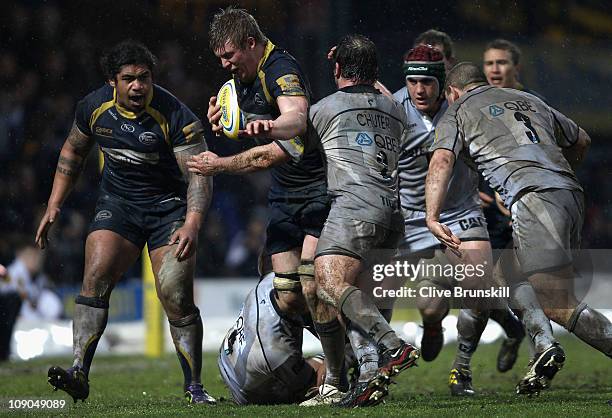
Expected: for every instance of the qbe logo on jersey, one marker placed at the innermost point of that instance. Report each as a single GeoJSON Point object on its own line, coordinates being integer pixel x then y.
{"type": "Point", "coordinates": [362, 139]}
{"type": "Point", "coordinates": [495, 110]}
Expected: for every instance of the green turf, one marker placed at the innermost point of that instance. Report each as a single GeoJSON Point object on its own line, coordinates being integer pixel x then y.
{"type": "Point", "coordinates": [122, 386]}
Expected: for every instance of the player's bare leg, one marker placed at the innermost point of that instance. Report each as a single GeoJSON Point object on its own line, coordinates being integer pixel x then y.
{"type": "Point", "coordinates": [328, 327]}
{"type": "Point", "coordinates": [433, 310]}
{"type": "Point", "coordinates": [555, 292]}
{"type": "Point", "coordinates": [336, 276]}
{"type": "Point", "coordinates": [107, 257]}
{"type": "Point", "coordinates": [471, 322]}
{"type": "Point", "coordinates": [174, 285]}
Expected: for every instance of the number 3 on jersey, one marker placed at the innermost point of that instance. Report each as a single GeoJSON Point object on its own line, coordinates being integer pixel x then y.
{"type": "Point", "coordinates": [531, 133]}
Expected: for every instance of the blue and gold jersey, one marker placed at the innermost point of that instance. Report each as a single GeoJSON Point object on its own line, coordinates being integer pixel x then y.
{"type": "Point", "coordinates": [139, 162]}
{"type": "Point", "coordinates": [279, 74]}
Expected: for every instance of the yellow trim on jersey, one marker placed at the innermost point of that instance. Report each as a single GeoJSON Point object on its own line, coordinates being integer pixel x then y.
{"type": "Point", "coordinates": [193, 131]}
{"type": "Point", "coordinates": [269, 47]}
{"type": "Point", "coordinates": [262, 77]}
{"type": "Point", "coordinates": [260, 72]}
{"type": "Point", "coordinates": [161, 120]}
{"type": "Point", "coordinates": [128, 113]}
{"type": "Point", "coordinates": [96, 113]}
{"type": "Point", "coordinates": [297, 144]}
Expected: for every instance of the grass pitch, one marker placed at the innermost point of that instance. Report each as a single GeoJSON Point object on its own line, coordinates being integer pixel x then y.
{"type": "Point", "coordinates": [122, 386]}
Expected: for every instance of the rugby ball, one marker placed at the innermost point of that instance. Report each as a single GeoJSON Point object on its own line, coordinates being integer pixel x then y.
{"type": "Point", "coordinates": [231, 117]}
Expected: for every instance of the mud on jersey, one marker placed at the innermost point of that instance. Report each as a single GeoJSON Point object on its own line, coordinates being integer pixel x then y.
{"type": "Point", "coordinates": [279, 74]}
{"type": "Point", "coordinates": [139, 162]}
{"type": "Point", "coordinates": [361, 133]}
{"type": "Point", "coordinates": [513, 137]}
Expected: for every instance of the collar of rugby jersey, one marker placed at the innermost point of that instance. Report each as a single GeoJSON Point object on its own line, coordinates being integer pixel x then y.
{"type": "Point", "coordinates": [360, 88]}
{"type": "Point", "coordinates": [267, 51]}
{"type": "Point", "coordinates": [128, 113]}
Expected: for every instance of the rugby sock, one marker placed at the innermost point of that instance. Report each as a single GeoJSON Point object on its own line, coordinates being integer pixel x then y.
{"type": "Point", "coordinates": [537, 325]}
{"type": "Point", "coordinates": [332, 340]}
{"type": "Point", "coordinates": [187, 336]}
{"type": "Point", "coordinates": [365, 351]}
{"type": "Point", "coordinates": [470, 325]}
{"type": "Point", "coordinates": [510, 323]}
{"type": "Point", "coordinates": [90, 317]}
{"type": "Point", "coordinates": [363, 313]}
{"type": "Point", "coordinates": [592, 327]}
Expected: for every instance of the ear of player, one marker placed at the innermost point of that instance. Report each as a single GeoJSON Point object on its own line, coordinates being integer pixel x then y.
{"type": "Point", "coordinates": [232, 120]}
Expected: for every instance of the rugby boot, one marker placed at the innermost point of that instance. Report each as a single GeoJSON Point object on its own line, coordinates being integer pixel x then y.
{"type": "Point", "coordinates": [72, 381]}
{"type": "Point", "coordinates": [542, 370]}
{"type": "Point", "coordinates": [368, 393]}
{"type": "Point", "coordinates": [393, 362]}
{"type": "Point", "coordinates": [327, 395]}
{"type": "Point", "coordinates": [460, 382]}
{"type": "Point", "coordinates": [432, 340]}
{"type": "Point", "coordinates": [195, 394]}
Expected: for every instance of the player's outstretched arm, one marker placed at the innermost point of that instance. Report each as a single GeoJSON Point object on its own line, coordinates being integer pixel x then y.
{"type": "Point", "coordinates": [292, 121]}
{"type": "Point", "coordinates": [69, 167]}
{"type": "Point", "coordinates": [199, 194]}
{"type": "Point", "coordinates": [257, 158]}
{"type": "Point", "coordinates": [436, 184]}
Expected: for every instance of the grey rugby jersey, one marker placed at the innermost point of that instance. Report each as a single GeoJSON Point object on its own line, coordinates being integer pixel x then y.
{"type": "Point", "coordinates": [513, 137]}
{"type": "Point", "coordinates": [414, 162]}
{"type": "Point", "coordinates": [361, 134]}
{"type": "Point", "coordinates": [261, 356]}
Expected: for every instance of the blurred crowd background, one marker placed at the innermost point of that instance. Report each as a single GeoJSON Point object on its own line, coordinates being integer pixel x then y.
{"type": "Point", "coordinates": [49, 53]}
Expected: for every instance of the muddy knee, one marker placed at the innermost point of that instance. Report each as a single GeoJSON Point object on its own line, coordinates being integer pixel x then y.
{"type": "Point", "coordinates": [175, 287]}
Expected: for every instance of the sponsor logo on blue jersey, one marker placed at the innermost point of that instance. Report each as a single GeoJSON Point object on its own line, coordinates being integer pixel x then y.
{"type": "Point", "coordinates": [126, 127]}
{"type": "Point", "coordinates": [147, 138]}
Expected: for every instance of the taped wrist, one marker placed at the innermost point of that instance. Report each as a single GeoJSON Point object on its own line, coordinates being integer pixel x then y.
{"type": "Point", "coordinates": [91, 301]}
{"type": "Point", "coordinates": [287, 281]}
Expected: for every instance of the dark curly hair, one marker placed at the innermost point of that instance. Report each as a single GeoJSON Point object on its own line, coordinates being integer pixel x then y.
{"type": "Point", "coordinates": [126, 53]}
{"type": "Point", "coordinates": [356, 55]}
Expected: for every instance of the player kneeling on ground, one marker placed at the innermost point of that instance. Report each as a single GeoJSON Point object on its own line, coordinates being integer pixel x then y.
{"type": "Point", "coordinates": [260, 359]}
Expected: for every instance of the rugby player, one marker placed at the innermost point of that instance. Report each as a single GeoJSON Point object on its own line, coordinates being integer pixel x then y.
{"type": "Point", "coordinates": [360, 132]}
{"type": "Point", "coordinates": [260, 359]}
{"type": "Point", "coordinates": [440, 41]}
{"type": "Point", "coordinates": [527, 151]}
{"type": "Point", "coordinates": [501, 66]}
{"type": "Point", "coordinates": [423, 101]}
{"type": "Point", "coordinates": [274, 95]}
{"type": "Point", "coordinates": [147, 196]}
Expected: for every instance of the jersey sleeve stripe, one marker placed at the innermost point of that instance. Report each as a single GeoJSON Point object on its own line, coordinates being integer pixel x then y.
{"type": "Point", "coordinates": [96, 113]}
{"type": "Point", "coordinates": [193, 131]}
